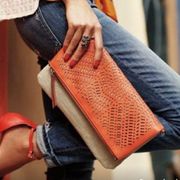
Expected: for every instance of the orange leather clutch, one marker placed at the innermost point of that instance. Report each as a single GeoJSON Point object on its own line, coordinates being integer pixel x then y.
{"type": "Point", "coordinates": [110, 103]}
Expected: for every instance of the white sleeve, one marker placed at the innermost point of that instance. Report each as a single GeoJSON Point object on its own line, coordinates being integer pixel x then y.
{"type": "Point", "coordinates": [10, 9]}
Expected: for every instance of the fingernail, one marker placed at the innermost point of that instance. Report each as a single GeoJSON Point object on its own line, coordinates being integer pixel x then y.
{"type": "Point", "coordinates": [96, 64]}
{"type": "Point", "coordinates": [66, 57]}
{"type": "Point", "coordinates": [72, 63]}
{"type": "Point", "coordinates": [64, 48]}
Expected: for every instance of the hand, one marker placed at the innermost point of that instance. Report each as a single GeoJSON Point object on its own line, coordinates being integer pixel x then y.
{"type": "Point", "coordinates": [82, 21]}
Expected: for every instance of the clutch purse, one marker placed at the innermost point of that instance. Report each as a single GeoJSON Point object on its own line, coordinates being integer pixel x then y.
{"type": "Point", "coordinates": [101, 104]}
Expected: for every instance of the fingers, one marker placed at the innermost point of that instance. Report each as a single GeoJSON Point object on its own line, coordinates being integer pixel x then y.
{"type": "Point", "coordinates": [75, 48]}
{"type": "Point", "coordinates": [69, 35]}
{"type": "Point", "coordinates": [80, 49]}
{"type": "Point", "coordinates": [73, 44]}
{"type": "Point", "coordinates": [98, 46]}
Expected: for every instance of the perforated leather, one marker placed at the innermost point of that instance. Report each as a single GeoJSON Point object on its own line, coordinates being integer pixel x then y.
{"type": "Point", "coordinates": [109, 102]}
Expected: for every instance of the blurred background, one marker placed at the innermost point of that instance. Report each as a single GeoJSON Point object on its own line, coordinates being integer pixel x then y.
{"type": "Point", "coordinates": [155, 22]}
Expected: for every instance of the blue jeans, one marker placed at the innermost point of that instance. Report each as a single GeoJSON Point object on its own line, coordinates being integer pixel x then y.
{"type": "Point", "coordinates": [156, 82]}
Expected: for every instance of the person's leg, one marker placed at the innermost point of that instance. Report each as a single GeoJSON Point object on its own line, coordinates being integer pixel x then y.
{"type": "Point", "coordinates": [155, 81]}
{"type": "Point", "coordinates": [57, 139]}
{"type": "Point", "coordinates": [17, 142]}
{"type": "Point", "coordinates": [76, 171]}
{"type": "Point", "coordinates": [79, 170]}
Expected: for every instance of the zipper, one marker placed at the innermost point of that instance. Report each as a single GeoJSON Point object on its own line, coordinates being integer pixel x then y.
{"type": "Point", "coordinates": [53, 78]}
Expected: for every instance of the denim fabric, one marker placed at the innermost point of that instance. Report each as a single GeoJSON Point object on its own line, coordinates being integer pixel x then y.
{"type": "Point", "coordinates": [155, 81]}
{"type": "Point", "coordinates": [156, 31]}
{"type": "Point", "coordinates": [156, 27]}
{"type": "Point", "coordinates": [76, 171]}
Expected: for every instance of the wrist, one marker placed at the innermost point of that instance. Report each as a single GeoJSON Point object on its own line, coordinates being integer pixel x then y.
{"type": "Point", "coordinates": [66, 2]}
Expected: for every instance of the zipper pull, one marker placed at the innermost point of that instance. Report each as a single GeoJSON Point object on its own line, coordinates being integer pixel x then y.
{"type": "Point", "coordinates": [53, 98]}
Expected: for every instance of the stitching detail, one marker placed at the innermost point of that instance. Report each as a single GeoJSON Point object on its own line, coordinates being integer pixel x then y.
{"type": "Point", "coordinates": [46, 27]}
